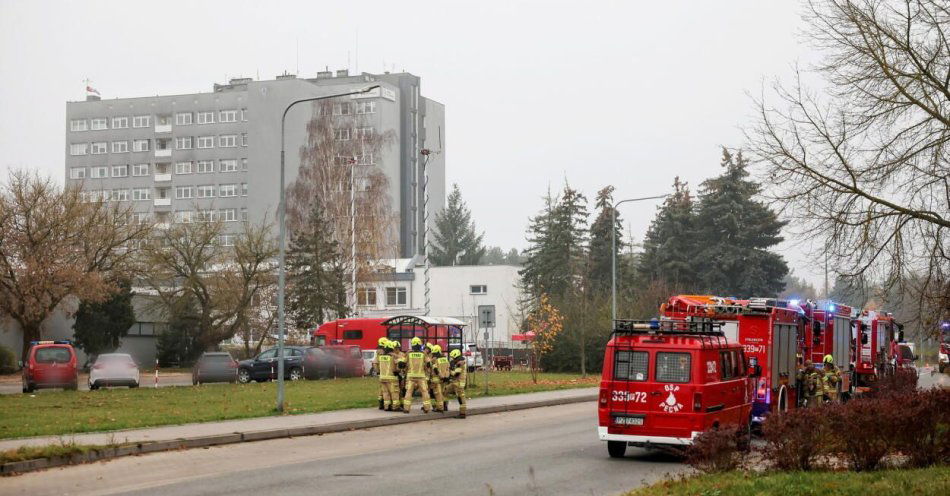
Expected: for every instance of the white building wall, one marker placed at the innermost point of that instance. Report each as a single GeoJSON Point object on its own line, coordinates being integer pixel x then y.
{"type": "Point", "coordinates": [452, 296]}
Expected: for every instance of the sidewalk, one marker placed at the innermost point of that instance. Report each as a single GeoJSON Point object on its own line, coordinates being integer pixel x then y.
{"type": "Point", "coordinates": [358, 417]}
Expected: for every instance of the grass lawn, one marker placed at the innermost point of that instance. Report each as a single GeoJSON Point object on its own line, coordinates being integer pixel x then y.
{"type": "Point", "coordinates": [22, 415]}
{"type": "Point", "coordinates": [916, 482]}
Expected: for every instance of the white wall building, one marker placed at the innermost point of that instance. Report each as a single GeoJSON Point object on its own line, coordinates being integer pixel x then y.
{"type": "Point", "coordinates": [458, 291]}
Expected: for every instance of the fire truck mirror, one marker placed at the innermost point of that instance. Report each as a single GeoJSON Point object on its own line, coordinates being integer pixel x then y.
{"type": "Point", "coordinates": [900, 336]}
{"type": "Point", "coordinates": [755, 370]}
{"type": "Point", "coordinates": [864, 338]}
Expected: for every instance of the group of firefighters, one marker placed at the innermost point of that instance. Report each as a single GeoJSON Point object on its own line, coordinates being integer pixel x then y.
{"type": "Point", "coordinates": [820, 385]}
{"type": "Point", "coordinates": [422, 368]}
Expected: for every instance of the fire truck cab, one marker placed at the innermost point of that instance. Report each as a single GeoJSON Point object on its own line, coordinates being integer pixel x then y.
{"type": "Point", "coordinates": [768, 331]}
{"type": "Point", "coordinates": [666, 381]}
{"type": "Point", "coordinates": [876, 336]}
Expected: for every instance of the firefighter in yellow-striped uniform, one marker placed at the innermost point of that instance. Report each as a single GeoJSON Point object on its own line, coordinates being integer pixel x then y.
{"type": "Point", "coordinates": [399, 357]}
{"type": "Point", "coordinates": [417, 368]}
{"type": "Point", "coordinates": [380, 351]}
{"type": "Point", "coordinates": [388, 384]}
{"type": "Point", "coordinates": [457, 373]}
{"type": "Point", "coordinates": [439, 376]}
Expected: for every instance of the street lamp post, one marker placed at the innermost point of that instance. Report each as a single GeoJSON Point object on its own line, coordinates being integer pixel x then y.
{"type": "Point", "coordinates": [282, 230]}
{"type": "Point", "coordinates": [613, 251]}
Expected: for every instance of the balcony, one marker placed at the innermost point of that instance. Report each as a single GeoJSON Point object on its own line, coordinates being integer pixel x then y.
{"type": "Point", "coordinates": [163, 202]}
{"type": "Point", "coordinates": [163, 152]}
{"type": "Point", "coordinates": [163, 128]}
{"type": "Point", "coordinates": [163, 225]}
{"type": "Point", "coordinates": [163, 178]}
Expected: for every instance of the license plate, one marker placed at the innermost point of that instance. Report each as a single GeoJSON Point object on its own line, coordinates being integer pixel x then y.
{"type": "Point", "coordinates": [628, 420]}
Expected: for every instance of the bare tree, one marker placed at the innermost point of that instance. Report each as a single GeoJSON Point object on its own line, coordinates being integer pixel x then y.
{"type": "Point", "coordinates": [190, 264]}
{"type": "Point", "coordinates": [344, 149]}
{"type": "Point", "coordinates": [863, 168]}
{"type": "Point", "coordinates": [56, 243]}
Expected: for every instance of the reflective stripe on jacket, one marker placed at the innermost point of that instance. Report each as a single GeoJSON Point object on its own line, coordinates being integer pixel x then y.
{"type": "Point", "coordinates": [386, 367]}
{"type": "Point", "coordinates": [441, 368]}
{"type": "Point", "coordinates": [417, 365]}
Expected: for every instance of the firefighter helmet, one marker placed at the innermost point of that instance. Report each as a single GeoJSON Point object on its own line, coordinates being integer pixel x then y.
{"type": "Point", "coordinates": [382, 342]}
{"type": "Point", "coordinates": [391, 345]}
{"type": "Point", "coordinates": [416, 341]}
{"type": "Point", "coordinates": [829, 359]}
{"type": "Point", "coordinates": [436, 348]}
{"type": "Point", "coordinates": [455, 354]}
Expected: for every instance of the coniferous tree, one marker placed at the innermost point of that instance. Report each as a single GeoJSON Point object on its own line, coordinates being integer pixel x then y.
{"type": "Point", "coordinates": [556, 259]}
{"type": "Point", "coordinates": [100, 326]}
{"type": "Point", "coordinates": [317, 290]}
{"type": "Point", "coordinates": [735, 233]}
{"type": "Point", "coordinates": [600, 267]}
{"type": "Point", "coordinates": [670, 243]}
{"type": "Point", "coordinates": [455, 240]}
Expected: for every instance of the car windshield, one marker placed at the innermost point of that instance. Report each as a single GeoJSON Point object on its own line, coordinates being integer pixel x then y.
{"type": "Point", "coordinates": [216, 358]}
{"type": "Point", "coordinates": [53, 354]}
{"type": "Point", "coordinates": [113, 359]}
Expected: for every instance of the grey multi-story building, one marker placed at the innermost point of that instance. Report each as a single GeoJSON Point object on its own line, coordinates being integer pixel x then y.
{"type": "Point", "coordinates": [183, 158]}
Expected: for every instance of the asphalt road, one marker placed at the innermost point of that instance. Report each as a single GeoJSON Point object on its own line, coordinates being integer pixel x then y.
{"type": "Point", "coordinates": [542, 451]}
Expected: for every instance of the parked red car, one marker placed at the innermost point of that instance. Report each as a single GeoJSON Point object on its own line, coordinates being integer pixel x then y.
{"type": "Point", "coordinates": [347, 360]}
{"type": "Point", "coordinates": [50, 364]}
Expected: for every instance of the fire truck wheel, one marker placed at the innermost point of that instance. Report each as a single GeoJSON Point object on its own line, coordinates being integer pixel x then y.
{"type": "Point", "coordinates": [616, 448]}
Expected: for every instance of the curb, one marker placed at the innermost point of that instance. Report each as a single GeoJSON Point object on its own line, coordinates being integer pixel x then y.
{"type": "Point", "coordinates": [107, 453]}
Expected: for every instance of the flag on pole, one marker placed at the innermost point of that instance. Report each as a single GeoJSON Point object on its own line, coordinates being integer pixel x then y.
{"type": "Point", "coordinates": [91, 90]}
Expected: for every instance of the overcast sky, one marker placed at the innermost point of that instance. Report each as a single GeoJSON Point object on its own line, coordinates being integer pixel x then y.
{"type": "Point", "coordinates": [536, 93]}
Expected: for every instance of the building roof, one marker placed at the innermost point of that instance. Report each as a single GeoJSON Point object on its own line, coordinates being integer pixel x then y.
{"type": "Point", "coordinates": [422, 320]}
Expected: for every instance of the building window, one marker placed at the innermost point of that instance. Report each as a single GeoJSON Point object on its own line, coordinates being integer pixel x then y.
{"type": "Point", "coordinates": [228, 239]}
{"type": "Point", "coordinates": [341, 108]}
{"type": "Point", "coordinates": [184, 216]}
{"type": "Point", "coordinates": [205, 191]}
{"type": "Point", "coordinates": [364, 132]}
{"type": "Point", "coordinates": [205, 141]}
{"type": "Point", "coordinates": [141, 217]}
{"type": "Point", "coordinates": [120, 122]}
{"type": "Point", "coordinates": [228, 190]}
{"type": "Point", "coordinates": [341, 134]}
{"type": "Point", "coordinates": [183, 142]}
{"type": "Point", "coordinates": [227, 141]}
{"type": "Point", "coordinates": [184, 192]}
{"type": "Point", "coordinates": [205, 117]}
{"type": "Point", "coordinates": [243, 139]}
{"type": "Point", "coordinates": [120, 195]}
{"type": "Point", "coordinates": [99, 172]}
{"type": "Point", "coordinates": [78, 148]}
{"type": "Point", "coordinates": [139, 170]}
{"type": "Point", "coordinates": [228, 215]}
{"type": "Point", "coordinates": [395, 296]}
{"type": "Point", "coordinates": [78, 125]}
{"type": "Point", "coordinates": [140, 145]}
{"type": "Point", "coordinates": [478, 289]}
{"type": "Point", "coordinates": [183, 168]}
{"type": "Point", "coordinates": [205, 166]}
{"type": "Point", "coordinates": [77, 173]}
{"type": "Point", "coordinates": [99, 147]}
{"type": "Point", "coordinates": [243, 115]}
{"type": "Point", "coordinates": [98, 124]}
{"type": "Point", "coordinates": [228, 165]}
{"type": "Point", "coordinates": [366, 296]}
{"type": "Point", "coordinates": [120, 171]}
{"type": "Point", "coordinates": [366, 108]}
{"type": "Point", "coordinates": [141, 194]}
{"type": "Point", "coordinates": [367, 159]}
{"type": "Point", "coordinates": [243, 189]}
{"type": "Point", "coordinates": [205, 216]}
{"type": "Point", "coordinates": [120, 146]}
{"type": "Point", "coordinates": [141, 120]}
{"type": "Point", "coordinates": [244, 214]}
{"type": "Point", "coordinates": [228, 116]}
{"type": "Point", "coordinates": [183, 118]}
{"type": "Point", "coordinates": [243, 164]}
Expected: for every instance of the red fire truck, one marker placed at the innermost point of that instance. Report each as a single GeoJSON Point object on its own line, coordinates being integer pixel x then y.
{"type": "Point", "coordinates": [877, 334]}
{"type": "Point", "coordinates": [829, 331]}
{"type": "Point", "coordinates": [768, 331]}
{"type": "Point", "coordinates": [365, 332]}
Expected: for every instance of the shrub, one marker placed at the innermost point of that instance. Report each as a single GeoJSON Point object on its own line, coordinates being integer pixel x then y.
{"type": "Point", "coordinates": [924, 436]}
{"type": "Point", "coordinates": [795, 440]}
{"type": "Point", "coordinates": [864, 429]}
{"type": "Point", "coordinates": [8, 363]}
{"type": "Point", "coordinates": [715, 450]}
{"type": "Point", "coordinates": [902, 381]}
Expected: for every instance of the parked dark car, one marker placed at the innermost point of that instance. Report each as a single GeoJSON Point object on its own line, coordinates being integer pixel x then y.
{"type": "Point", "coordinates": [214, 366]}
{"type": "Point", "coordinates": [300, 362]}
